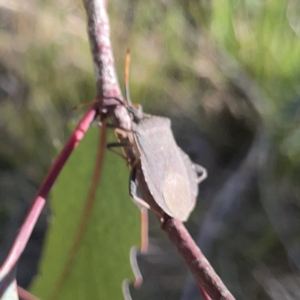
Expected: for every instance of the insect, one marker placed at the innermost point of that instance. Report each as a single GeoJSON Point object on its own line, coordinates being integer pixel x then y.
{"type": "Point", "coordinates": [171, 177]}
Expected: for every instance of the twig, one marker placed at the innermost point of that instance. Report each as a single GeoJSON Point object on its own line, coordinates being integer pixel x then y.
{"type": "Point", "coordinates": [107, 86]}
{"type": "Point", "coordinates": [196, 261]}
{"type": "Point", "coordinates": [99, 37]}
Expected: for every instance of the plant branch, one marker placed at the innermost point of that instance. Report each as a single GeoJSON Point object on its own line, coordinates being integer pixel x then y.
{"type": "Point", "coordinates": [107, 86]}
{"type": "Point", "coordinates": [196, 261]}
{"type": "Point", "coordinates": [99, 37]}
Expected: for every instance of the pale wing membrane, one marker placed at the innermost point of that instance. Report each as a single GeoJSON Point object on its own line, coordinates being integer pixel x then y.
{"type": "Point", "coordinates": [153, 163]}
{"type": "Point", "coordinates": [164, 168]}
{"type": "Point", "coordinates": [192, 176]}
{"type": "Point", "coordinates": [176, 184]}
{"type": "Point", "coordinates": [176, 193]}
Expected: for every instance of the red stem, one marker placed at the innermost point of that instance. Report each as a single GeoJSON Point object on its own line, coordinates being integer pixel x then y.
{"type": "Point", "coordinates": [40, 200]}
{"type": "Point", "coordinates": [107, 85]}
{"type": "Point", "coordinates": [196, 261]}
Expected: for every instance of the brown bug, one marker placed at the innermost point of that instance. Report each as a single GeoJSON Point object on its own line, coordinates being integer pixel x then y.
{"type": "Point", "coordinates": [171, 177]}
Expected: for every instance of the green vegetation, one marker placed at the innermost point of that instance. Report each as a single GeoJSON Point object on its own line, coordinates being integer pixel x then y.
{"type": "Point", "coordinates": [227, 70]}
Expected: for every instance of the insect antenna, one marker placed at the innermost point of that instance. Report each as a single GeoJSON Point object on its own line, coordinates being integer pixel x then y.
{"type": "Point", "coordinates": [126, 77]}
{"type": "Point", "coordinates": [127, 100]}
{"type": "Point", "coordinates": [135, 110]}
{"type": "Point", "coordinates": [128, 104]}
{"type": "Point", "coordinates": [84, 104]}
{"type": "Point", "coordinates": [127, 92]}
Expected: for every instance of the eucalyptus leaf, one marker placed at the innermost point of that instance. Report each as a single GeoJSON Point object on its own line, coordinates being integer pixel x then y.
{"type": "Point", "coordinates": [101, 261]}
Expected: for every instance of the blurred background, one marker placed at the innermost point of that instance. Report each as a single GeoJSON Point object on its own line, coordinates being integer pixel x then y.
{"type": "Point", "coordinates": [225, 71]}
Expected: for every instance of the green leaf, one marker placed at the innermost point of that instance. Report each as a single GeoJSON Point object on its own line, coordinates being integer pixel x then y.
{"type": "Point", "coordinates": [101, 261]}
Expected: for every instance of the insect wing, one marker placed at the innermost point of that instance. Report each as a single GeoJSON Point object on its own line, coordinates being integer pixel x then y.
{"type": "Point", "coordinates": [149, 138]}
{"type": "Point", "coordinates": [176, 193]}
{"type": "Point", "coordinates": [192, 174]}
{"type": "Point", "coordinates": [163, 166]}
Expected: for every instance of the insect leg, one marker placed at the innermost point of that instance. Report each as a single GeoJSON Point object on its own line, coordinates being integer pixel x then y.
{"type": "Point", "coordinates": [138, 107]}
{"type": "Point", "coordinates": [85, 104]}
{"type": "Point", "coordinates": [118, 129]}
{"type": "Point", "coordinates": [133, 191]}
{"type": "Point", "coordinates": [143, 206]}
{"type": "Point", "coordinates": [115, 127]}
{"type": "Point", "coordinates": [201, 172]}
{"type": "Point", "coordinates": [110, 147]}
